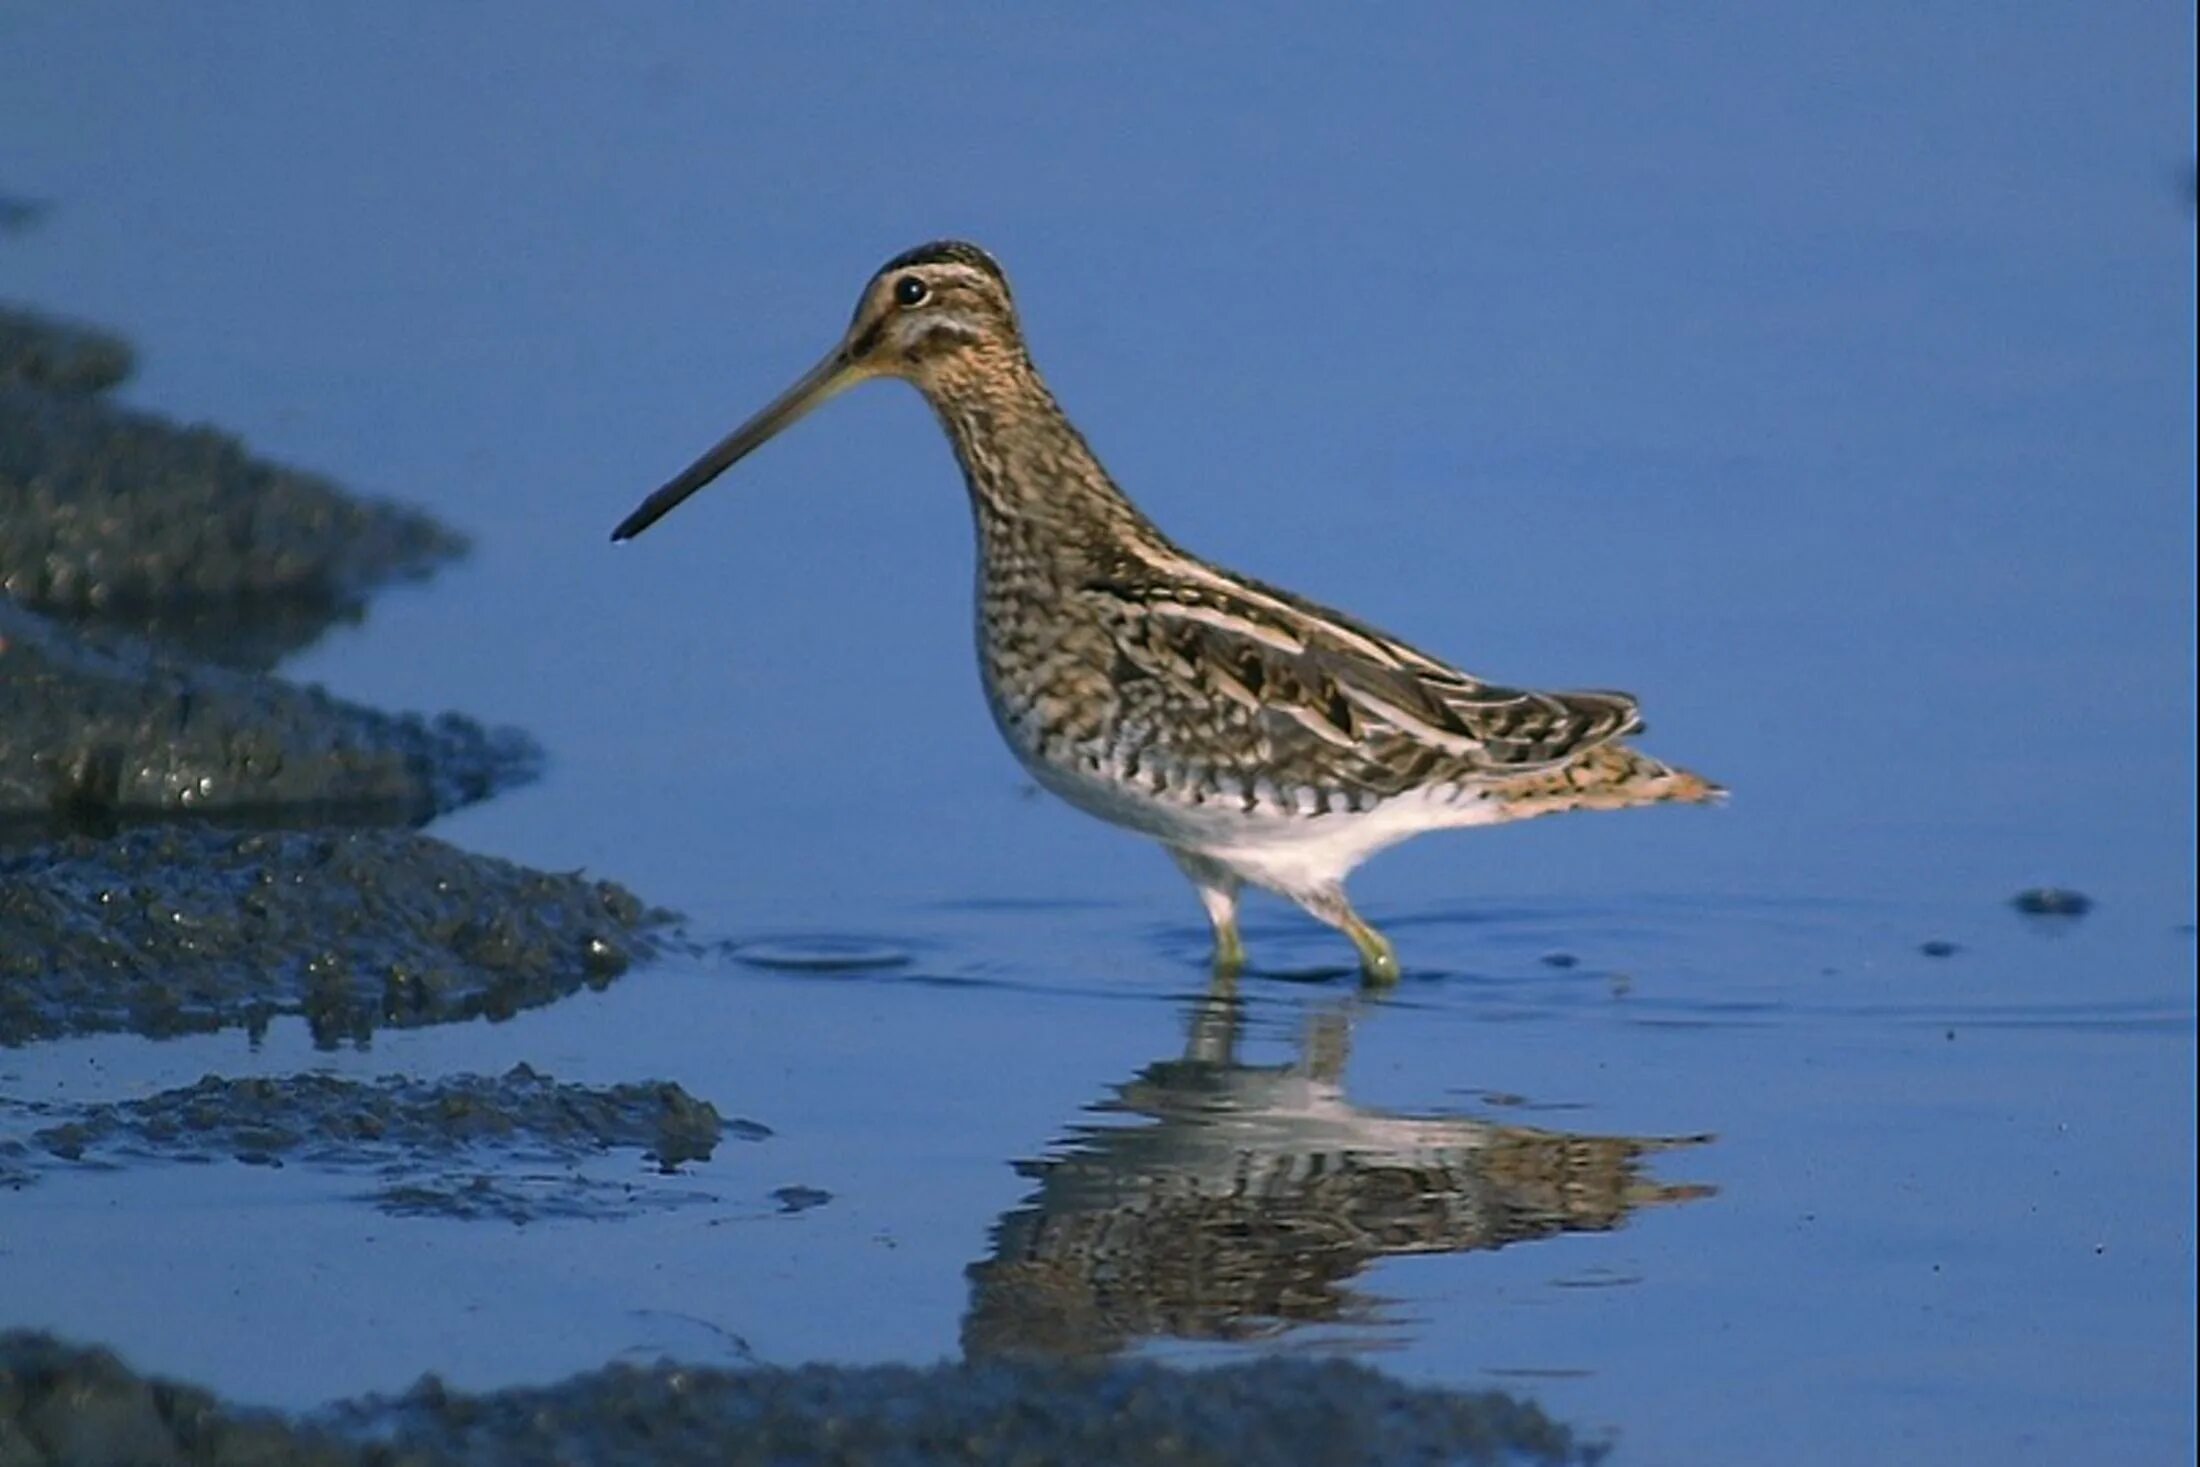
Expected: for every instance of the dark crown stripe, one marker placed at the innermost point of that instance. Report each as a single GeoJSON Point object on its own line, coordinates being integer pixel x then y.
{"type": "Point", "coordinates": [946, 252]}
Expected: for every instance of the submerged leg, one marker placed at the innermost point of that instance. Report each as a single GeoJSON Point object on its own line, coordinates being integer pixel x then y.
{"type": "Point", "coordinates": [1378, 959]}
{"type": "Point", "coordinates": [1328, 1044]}
{"type": "Point", "coordinates": [1214, 1027]}
{"type": "Point", "coordinates": [1218, 893]}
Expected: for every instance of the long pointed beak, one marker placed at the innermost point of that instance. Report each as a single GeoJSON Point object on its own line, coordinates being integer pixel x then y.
{"type": "Point", "coordinates": [835, 373]}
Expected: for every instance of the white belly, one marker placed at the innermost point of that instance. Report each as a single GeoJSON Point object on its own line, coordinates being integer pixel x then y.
{"type": "Point", "coordinates": [1271, 845]}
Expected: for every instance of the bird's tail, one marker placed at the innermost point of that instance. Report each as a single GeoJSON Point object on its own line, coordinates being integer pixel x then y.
{"type": "Point", "coordinates": [1608, 777]}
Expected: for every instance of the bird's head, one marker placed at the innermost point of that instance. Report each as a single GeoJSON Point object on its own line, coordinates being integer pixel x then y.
{"type": "Point", "coordinates": [937, 315]}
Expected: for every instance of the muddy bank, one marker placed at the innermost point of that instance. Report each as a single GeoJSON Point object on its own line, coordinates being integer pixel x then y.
{"type": "Point", "coordinates": [108, 727]}
{"type": "Point", "coordinates": [124, 525]}
{"type": "Point", "coordinates": [60, 1403]}
{"type": "Point", "coordinates": [448, 1146]}
{"type": "Point", "coordinates": [123, 518]}
{"type": "Point", "coordinates": [59, 356]}
{"type": "Point", "coordinates": [180, 928]}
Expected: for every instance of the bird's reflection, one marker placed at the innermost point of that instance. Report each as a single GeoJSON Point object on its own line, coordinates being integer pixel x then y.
{"type": "Point", "coordinates": [1253, 1194]}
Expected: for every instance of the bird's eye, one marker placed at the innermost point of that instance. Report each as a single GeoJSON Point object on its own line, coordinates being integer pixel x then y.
{"type": "Point", "coordinates": [910, 291]}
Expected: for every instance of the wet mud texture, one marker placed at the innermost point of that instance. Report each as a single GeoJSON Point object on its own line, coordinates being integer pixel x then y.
{"type": "Point", "coordinates": [107, 728]}
{"type": "Point", "coordinates": [468, 1146]}
{"type": "Point", "coordinates": [59, 1403]}
{"type": "Point", "coordinates": [2051, 901]}
{"type": "Point", "coordinates": [122, 518]}
{"type": "Point", "coordinates": [59, 356]}
{"type": "Point", "coordinates": [182, 928]}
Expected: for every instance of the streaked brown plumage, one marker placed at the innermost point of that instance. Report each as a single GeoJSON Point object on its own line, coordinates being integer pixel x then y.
{"type": "Point", "coordinates": [1261, 737]}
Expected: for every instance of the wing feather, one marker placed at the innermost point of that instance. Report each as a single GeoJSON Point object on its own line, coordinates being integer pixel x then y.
{"type": "Point", "coordinates": [1319, 677]}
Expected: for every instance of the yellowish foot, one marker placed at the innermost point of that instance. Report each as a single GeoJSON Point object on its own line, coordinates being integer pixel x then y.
{"type": "Point", "coordinates": [1378, 959]}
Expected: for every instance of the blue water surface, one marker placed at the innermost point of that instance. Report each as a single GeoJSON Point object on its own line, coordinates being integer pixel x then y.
{"type": "Point", "coordinates": [1824, 376]}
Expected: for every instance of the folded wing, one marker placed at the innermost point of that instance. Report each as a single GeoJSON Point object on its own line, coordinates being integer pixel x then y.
{"type": "Point", "coordinates": [1319, 684]}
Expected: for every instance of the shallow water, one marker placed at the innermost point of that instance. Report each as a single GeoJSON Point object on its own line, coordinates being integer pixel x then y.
{"type": "Point", "coordinates": [1828, 387]}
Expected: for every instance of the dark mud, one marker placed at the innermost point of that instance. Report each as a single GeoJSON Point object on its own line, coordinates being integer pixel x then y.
{"type": "Point", "coordinates": [251, 636]}
{"type": "Point", "coordinates": [125, 519]}
{"type": "Point", "coordinates": [425, 1139]}
{"type": "Point", "coordinates": [182, 928]}
{"type": "Point", "coordinates": [2051, 901]}
{"type": "Point", "coordinates": [60, 1403]}
{"type": "Point", "coordinates": [527, 1197]}
{"type": "Point", "coordinates": [59, 356]}
{"type": "Point", "coordinates": [61, 1406]}
{"type": "Point", "coordinates": [108, 728]}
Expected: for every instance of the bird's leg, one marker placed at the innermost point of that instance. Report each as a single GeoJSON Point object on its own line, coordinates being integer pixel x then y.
{"type": "Point", "coordinates": [1218, 893]}
{"type": "Point", "coordinates": [1214, 1027]}
{"type": "Point", "coordinates": [1378, 959]}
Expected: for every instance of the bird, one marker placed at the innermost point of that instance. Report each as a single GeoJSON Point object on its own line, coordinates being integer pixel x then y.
{"type": "Point", "coordinates": [1263, 739]}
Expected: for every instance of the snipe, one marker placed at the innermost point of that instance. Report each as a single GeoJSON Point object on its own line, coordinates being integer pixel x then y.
{"type": "Point", "coordinates": [1261, 738]}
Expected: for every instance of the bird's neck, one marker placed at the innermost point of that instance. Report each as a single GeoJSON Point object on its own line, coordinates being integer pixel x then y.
{"type": "Point", "coordinates": [1034, 482]}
